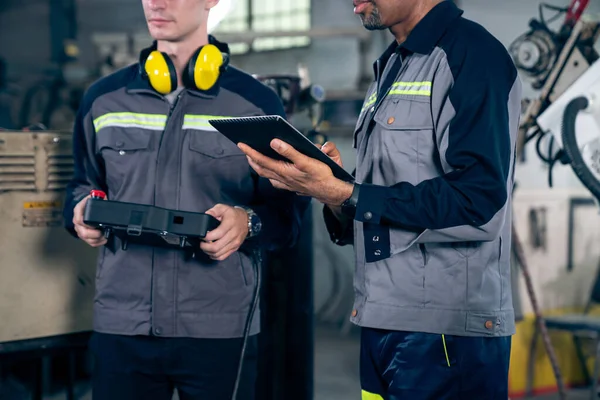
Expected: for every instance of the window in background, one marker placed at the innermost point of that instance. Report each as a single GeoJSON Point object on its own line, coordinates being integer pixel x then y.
{"type": "Point", "coordinates": [267, 16]}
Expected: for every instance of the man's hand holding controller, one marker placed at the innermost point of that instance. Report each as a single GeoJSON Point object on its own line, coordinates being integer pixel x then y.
{"type": "Point", "coordinates": [92, 236]}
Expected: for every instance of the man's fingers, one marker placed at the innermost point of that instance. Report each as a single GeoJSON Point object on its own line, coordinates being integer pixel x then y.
{"type": "Point", "coordinates": [263, 165]}
{"type": "Point", "coordinates": [218, 233]}
{"type": "Point", "coordinates": [297, 158]}
{"type": "Point", "coordinates": [331, 150]}
{"type": "Point", "coordinates": [97, 243]}
{"type": "Point", "coordinates": [88, 234]}
{"type": "Point", "coordinates": [280, 185]}
{"type": "Point", "coordinates": [93, 237]}
{"type": "Point", "coordinates": [226, 251]}
{"type": "Point", "coordinates": [264, 172]}
{"type": "Point", "coordinates": [218, 211]}
{"type": "Point", "coordinates": [224, 256]}
{"type": "Point", "coordinates": [217, 246]}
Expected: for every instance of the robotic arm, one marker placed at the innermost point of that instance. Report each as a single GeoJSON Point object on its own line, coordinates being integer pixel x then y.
{"type": "Point", "coordinates": [574, 121]}
{"type": "Point", "coordinates": [565, 67]}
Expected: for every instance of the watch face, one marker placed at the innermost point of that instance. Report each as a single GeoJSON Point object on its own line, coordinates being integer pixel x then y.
{"type": "Point", "coordinates": [256, 224]}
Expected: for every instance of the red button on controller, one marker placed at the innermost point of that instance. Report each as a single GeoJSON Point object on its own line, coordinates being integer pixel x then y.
{"type": "Point", "coordinates": [98, 194]}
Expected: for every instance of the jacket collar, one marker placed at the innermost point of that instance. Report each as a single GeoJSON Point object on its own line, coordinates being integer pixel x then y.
{"type": "Point", "coordinates": [426, 34]}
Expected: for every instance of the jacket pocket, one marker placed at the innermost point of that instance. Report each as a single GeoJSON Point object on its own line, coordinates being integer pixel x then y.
{"type": "Point", "coordinates": [445, 277]}
{"type": "Point", "coordinates": [398, 280]}
{"type": "Point", "coordinates": [485, 277]}
{"type": "Point", "coordinates": [404, 142]}
{"type": "Point", "coordinates": [214, 157]}
{"type": "Point", "coordinates": [212, 145]}
{"type": "Point", "coordinates": [466, 249]}
{"type": "Point", "coordinates": [127, 155]}
{"type": "Point", "coordinates": [403, 114]}
{"type": "Point", "coordinates": [217, 287]}
{"type": "Point", "coordinates": [246, 268]}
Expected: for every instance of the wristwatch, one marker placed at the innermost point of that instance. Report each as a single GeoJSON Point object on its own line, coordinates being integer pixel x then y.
{"type": "Point", "coordinates": [349, 205]}
{"type": "Point", "coordinates": [254, 223]}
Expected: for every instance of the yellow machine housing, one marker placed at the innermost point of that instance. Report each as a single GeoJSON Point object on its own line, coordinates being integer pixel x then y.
{"type": "Point", "coordinates": [46, 276]}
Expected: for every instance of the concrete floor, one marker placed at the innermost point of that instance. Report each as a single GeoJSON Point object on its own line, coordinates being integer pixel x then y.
{"type": "Point", "coordinates": [336, 371]}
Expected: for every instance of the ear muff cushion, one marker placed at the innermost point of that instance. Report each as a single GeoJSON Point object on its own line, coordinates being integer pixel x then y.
{"type": "Point", "coordinates": [161, 72]}
{"type": "Point", "coordinates": [207, 67]}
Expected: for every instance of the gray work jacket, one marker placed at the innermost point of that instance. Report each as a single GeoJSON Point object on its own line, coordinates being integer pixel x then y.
{"type": "Point", "coordinates": [133, 144]}
{"type": "Point", "coordinates": [435, 146]}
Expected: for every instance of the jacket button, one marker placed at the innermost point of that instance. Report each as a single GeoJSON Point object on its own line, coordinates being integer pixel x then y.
{"type": "Point", "coordinates": [391, 120]}
{"type": "Point", "coordinates": [354, 313]}
{"type": "Point", "coordinates": [122, 152]}
{"type": "Point", "coordinates": [377, 253]}
{"type": "Point", "coordinates": [158, 331]}
{"type": "Point", "coordinates": [376, 238]}
{"type": "Point", "coordinates": [489, 324]}
{"type": "Point", "coordinates": [368, 215]}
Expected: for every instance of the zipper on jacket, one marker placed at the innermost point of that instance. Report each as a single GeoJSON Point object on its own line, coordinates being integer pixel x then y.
{"type": "Point", "coordinates": [162, 135]}
{"type": "Point", "coordinates": [423, 253]}
{"type": "Point", "coordinates": [378, 77]}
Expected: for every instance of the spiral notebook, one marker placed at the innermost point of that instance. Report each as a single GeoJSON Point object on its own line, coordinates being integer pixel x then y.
{"type": "Point", "coordinates": [258, 132]}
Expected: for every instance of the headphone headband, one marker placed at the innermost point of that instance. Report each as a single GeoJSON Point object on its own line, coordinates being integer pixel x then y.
{"type": "Point", "coordinates": [202, 71]}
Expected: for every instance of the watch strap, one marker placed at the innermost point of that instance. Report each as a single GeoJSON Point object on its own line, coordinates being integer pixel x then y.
{"type": "Point", "coordinates": [350, 204]}
{"type": "Point", "coordinates": [251, 216]}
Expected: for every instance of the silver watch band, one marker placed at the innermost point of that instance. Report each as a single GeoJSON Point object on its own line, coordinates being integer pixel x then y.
{"type": "Point", "coordinates": [250, 213]}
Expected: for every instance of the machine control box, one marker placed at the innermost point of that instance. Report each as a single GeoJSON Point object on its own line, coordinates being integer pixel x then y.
{"type": "Point", "coordinates": [147, 225]}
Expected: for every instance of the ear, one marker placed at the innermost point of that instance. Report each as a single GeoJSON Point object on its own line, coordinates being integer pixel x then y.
{"type": "Point", "coordinates": [211, 3]}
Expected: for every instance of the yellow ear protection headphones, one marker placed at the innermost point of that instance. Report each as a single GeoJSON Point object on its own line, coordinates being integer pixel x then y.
{"type": "Point", "coordinates": [202, 72]}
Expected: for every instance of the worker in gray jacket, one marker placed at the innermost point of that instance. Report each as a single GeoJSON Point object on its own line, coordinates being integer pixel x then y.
{"type": "Point", "coordinates": [429, 213]}
{"type": "Point", "coordinates": [163, 320]}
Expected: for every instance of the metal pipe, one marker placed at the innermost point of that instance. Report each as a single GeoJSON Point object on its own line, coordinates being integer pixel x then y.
{"type": "Point", "coordinates": [520, 256]}
{"type": "Point", "coordinates": [249, 37]}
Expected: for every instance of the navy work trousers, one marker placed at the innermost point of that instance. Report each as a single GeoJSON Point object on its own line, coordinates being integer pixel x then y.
{"type": "Point", "coordinates": [150, 368]}
{"type": "Point", "coordinates": [422, 366]}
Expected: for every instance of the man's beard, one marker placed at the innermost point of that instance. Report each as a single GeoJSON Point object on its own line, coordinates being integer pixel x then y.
{"type": "Point", "coordinates": [372, 22]}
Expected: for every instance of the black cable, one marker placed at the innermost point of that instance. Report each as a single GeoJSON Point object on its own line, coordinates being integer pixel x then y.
{"type": "Point", "coordinates": [559, 11]}
{"type": "Point", "coordinates": [572, 149]}
{"type": "Point", "coordinates": [257, 267]}
{"type": "Point", "coordinates": [538, 149]}
{"type": "Point", "coordinates": [552, 161]}
{"type": "Point", "coordinates": [532, 136]}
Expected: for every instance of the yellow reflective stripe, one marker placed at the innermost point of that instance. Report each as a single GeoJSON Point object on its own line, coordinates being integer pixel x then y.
{"type": "Point", "coordinates": [131, 120]}
{"type": "Point", "coordinates": [372, 99]}
{"type": "Point", "coordinates": [370, 396]}
{"type": "Point", "coordinates": [411, 92]}
{"type": "Point", "coordinates": [422, 83]}
{"type": "Point", "coordinates": [191, 121]}
{"type": "Point", "coordinates": [445, 349]}
{"type": "Point", "coordinates": [422, 88]}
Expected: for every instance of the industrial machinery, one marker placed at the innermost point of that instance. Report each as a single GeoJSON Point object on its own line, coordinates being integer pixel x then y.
{"type": "Point", "coordinates": [564, 66]}
{"type": "Point", "coordinates": [554, 60]}
{"type": "Point", "coordinates": [46, 276]}
{"type": "Point", "coordinates": [44, 270]}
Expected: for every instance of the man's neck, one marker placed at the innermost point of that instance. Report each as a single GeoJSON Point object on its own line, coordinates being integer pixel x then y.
{"type": "Point", "coordinates": [180, 52]}
{"type": "Point", "coordinates": [404, 28]}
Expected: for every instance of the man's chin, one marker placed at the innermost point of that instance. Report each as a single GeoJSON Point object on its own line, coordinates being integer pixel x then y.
{"type": "Point", "coordinates": [160, 34]}
{"type": "Point", "coordinates": [375, 28]}
{"type": "Point", "coordinates": [371, 25]}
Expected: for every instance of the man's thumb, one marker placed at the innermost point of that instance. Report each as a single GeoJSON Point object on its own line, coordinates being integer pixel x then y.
{"type": "Point", "coordinates": [217, 211]}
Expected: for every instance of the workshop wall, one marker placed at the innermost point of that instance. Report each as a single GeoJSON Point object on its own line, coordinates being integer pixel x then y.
{"type": "Point", "coordinates": [24, 34]}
